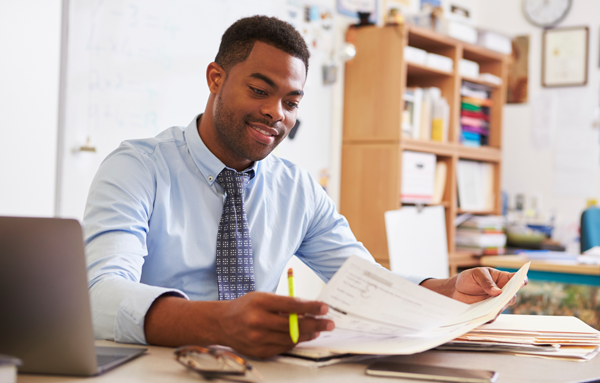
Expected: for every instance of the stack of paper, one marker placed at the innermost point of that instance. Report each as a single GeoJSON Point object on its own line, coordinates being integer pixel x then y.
{"type": "Point", "coordinates": [482, 235]}
{"type": "Point", "coordinates": [545, 336]}
{"type": "Point", "coordinates": [377, 312]}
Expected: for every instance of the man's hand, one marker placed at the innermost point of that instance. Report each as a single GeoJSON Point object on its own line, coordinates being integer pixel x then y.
{"type": "Point", "coordinates": [472, 285]}
{"type": "Point", "coordinates": [256, 324]}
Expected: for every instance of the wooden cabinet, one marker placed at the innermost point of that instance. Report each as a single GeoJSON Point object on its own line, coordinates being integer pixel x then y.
{"type": "Point", "coordinates": [375, 82]}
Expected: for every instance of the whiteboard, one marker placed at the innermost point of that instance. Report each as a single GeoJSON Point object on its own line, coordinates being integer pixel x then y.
{"type": "Point", "coordinates": [134, 68]}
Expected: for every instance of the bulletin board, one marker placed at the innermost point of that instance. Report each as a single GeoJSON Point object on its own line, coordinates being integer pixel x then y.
{"type": "Point", "coordinates": [133, 69]}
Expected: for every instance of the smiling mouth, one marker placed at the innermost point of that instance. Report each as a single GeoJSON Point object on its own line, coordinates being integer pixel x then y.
{"type": "Point", "coordinates": [261, 131]}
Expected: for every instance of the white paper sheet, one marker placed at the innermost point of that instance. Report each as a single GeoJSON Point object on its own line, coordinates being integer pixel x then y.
{"type": "Point", "coordinates": [543, 117]}
{"type": "Point", "coordinates": [366, 298]}
{"type": "Point", "coordinates": [367, 293]}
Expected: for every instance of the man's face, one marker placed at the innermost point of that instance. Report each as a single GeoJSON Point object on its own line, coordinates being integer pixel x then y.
{"type": "Point", "coordinates": [257, 104]}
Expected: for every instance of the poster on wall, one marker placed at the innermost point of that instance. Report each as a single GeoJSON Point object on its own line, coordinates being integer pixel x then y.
{"type": "Point", "coordinates": [518, 71]}
{"type": "Point", "coordinates": [565, 56]}
{"type": "Point", "coordinates": [352, 7]}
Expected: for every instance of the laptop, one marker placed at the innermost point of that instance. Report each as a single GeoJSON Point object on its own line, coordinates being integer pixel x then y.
{"type": "Point", "coordinates": [45, 316]}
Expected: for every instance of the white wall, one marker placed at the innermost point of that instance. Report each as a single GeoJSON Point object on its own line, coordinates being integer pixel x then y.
{"type": "Point", "coordinates": [526, 169]}
{"type": "Point", "coordinates": [29, 74]}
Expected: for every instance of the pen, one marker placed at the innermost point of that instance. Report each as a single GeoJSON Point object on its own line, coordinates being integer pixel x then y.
{"type": "Point", "coordinates": [294, 333]}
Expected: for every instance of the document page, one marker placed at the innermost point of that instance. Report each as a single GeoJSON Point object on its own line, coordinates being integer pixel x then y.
{"type": "Point", "coordinates": [377, 312]}
{"type": "Point", "coordinates": [366, 298]}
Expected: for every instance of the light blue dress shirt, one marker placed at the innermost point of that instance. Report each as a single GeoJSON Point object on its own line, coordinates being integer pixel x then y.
{"type": "Point", "coordinates": [151, 223]}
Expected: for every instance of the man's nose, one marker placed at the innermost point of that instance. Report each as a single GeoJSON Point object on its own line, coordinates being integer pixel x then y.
{"type": "Point", "coordinates": [273, 109]}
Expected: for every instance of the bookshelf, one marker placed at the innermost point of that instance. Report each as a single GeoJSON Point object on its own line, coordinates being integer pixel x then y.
{"type": "Point", "coordinates": [373, 142]}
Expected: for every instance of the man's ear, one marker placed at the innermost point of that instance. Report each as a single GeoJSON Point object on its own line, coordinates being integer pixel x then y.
{"type": "Point", "coordinates": [215, 77]}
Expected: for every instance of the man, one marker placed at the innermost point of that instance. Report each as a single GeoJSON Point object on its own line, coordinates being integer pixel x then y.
{"type": "Point", "coordinates": [182, 228]}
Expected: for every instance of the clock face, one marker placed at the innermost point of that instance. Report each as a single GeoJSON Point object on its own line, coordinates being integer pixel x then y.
{"type": "Point", "coordinates": [546, 13]}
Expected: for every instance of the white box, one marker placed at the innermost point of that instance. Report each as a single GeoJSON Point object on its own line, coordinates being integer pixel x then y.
{"type": "Point", "coordinates": [461, 32]}
{"type": "Point", "coordinates": [495, 42]}
{"type": "Point", "coordinates": [415, 55]}
{"type": "Point", "coordinates": [468, 68]}
{"type": "Point", "coordinates": [493, 79]}
{"type": "Point", "coordinates": [418, 177]}
{"type": "Point", "coordinates": [439, 62]}
{"type": "Point", "coordinates": [8, 369]}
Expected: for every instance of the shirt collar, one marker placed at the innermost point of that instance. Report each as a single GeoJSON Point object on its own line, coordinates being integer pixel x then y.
{"type": "Point", "coordinates": [208, 164]}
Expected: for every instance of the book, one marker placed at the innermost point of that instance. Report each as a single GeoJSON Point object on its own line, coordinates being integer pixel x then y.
{"type": "Point", "coordinates": [408, 112]}
{"type": "Point", "coordinates": [485, 223]}
{"type": "Point", "coordinates": [475, 185]}
{"type": "Point", "coordinates": [476, 104]}
{"type": "Point", "coordinates": [426, 111]}
{"type": "Point", "coordinates": [481, 235]}
{"type": "Point", "coordinates": [425, 114]}
{"type": "Point", "coordinates": [480, 239]}
{"type": "Point", "coordinates": [415, 118]}
{"type": "Point", "coordinates": [439, 184]}
{"type": "Point", "coordinates": [440, 119]}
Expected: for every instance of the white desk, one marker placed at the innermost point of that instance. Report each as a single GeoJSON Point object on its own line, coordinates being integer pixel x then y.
{"type": "Point", "coordinates": [158, 365]}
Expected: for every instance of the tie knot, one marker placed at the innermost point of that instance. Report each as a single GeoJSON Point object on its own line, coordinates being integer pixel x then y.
{"type": "Point", "coordinates": [232, 181]}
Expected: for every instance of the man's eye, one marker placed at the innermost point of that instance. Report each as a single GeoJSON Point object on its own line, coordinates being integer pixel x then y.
{"type": "Point", "coordinates": [293, 105]}
{"type": "Point", "coordinates": [258, 91]}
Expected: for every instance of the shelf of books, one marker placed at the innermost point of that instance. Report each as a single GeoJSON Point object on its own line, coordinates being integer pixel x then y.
{"type": "Point", "coordinates": [422, 125]}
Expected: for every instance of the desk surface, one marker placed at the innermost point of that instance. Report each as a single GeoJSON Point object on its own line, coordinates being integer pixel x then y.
{"type": "Point", "coordinates": [158, 365]}
{"type": "Point", "coordinates": [556, 266]}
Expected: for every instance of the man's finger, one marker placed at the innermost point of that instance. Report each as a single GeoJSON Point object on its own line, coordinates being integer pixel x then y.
{"type": "Point", "coordinates": [484, 279]}
{"type": "Point", "coordinates": [280, 323]}
{"type": "Point", "coordinates": [280, 303]}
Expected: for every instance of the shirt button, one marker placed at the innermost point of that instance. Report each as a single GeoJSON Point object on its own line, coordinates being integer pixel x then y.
{"type": "Point", "coordinates": [210, 178]}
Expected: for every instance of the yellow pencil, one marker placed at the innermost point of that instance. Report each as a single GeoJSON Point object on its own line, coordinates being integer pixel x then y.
{"type": "Point", "coordinates": [294, 332]}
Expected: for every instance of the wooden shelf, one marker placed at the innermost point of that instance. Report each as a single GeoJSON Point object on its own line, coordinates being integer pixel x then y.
{"type": "Point", "coordinates": [481, 212]}
{"type": "Point", "coordinates": [418, 70]}
{"type": "Point", "coordinates": [427, 39]}
{"type": "Point", "coordinates": [373, 141]}
{"type": "Point", "coordinates": [444, 204]}
{"type": "Point", "coordinates": [482, 82]}
{"type": "Point", "coordinates": [484, 153]}
{"type": "Point", "coordinates": [459, 259]}
{"type": "Point", "coordinates": [480, 54]}
{"type": "Point", "coordinates": [437, 148]}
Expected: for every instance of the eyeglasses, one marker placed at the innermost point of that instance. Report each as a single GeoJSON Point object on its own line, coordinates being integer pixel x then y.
{"type": "Point", "coordinates": [213, 363]}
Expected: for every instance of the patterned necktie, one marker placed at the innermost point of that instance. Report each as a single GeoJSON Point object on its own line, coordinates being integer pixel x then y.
{"type": "Point", "coordinates": [235, 266]}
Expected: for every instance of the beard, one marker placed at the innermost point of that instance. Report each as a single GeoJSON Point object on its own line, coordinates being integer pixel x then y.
{"type": "Point", "coordinates": [231, 131]}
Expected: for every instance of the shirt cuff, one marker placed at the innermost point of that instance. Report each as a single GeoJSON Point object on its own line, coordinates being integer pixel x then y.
{"type": "Point", "coordinates": [131, 314]}
{"type": "Point", "coordinates": [416, 279]}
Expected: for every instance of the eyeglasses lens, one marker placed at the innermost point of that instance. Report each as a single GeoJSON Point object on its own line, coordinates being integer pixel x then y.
{"type": "Point", "coordinates": [212, 362]}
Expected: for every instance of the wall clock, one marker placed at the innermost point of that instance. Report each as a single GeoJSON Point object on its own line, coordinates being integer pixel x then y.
{"type": "Point", "coordinates": [546, 13]}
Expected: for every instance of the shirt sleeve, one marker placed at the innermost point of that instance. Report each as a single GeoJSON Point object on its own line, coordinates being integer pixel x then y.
{"type": "Point", "coordinates": [329, 240]}
{"type": "Point", "coordinates": [117, 213]}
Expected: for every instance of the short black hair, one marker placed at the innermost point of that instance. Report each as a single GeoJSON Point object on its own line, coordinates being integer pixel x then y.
{"type": "Point", "coordinates": [238, 40]}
